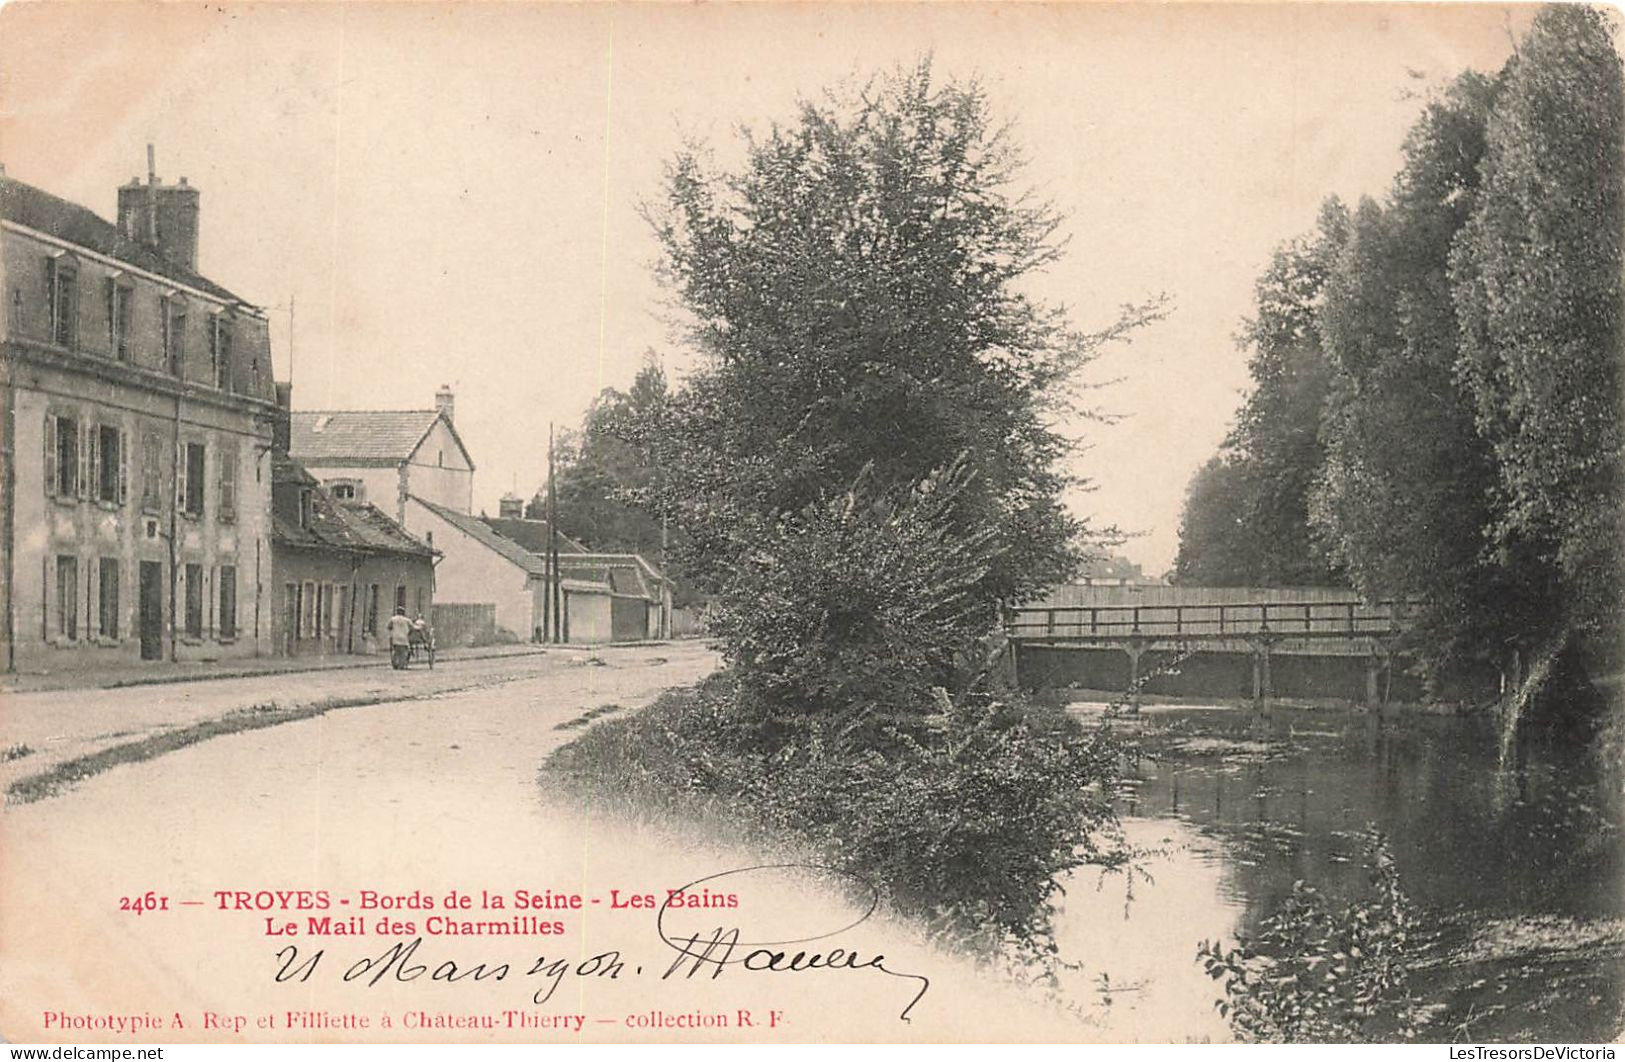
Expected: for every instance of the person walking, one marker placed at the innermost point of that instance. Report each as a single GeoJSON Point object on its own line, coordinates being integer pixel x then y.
{"type": "Point", "coordinates": [400, 638]}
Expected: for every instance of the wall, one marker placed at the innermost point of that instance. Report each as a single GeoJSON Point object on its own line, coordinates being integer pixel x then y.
{"type": "Point", "coordinates": [438, 471]}
{"type": "Point", "coordinates": [471, 573]}
{"type": "Point", "coordinates": [138, 529]}
{"type": "Point", "coordinates": [348, 580]}
{"type": "Point", "coordinates": [381, 485]}
{"type": "Point", "coordinates": [26, 296]}
{"type": "Point", "coordinates": [587, 617]}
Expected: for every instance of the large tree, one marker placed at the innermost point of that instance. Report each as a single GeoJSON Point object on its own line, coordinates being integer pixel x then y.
{"type": "Point", "coordinates": [606, 470]}
{"type": "Point", "coordinates": [1536, 276]}
{"type": "Point", "coordinates": [856, 287]}
{"type": "Point", "coordinates": [1406, 492]}
{"type": "Point", "coordinates": [1246, 518]}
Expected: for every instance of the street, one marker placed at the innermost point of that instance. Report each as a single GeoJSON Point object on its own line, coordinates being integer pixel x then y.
{"type": "Point", "coordinates": [345, 835]}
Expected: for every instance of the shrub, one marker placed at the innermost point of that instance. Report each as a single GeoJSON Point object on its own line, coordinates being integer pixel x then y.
{"type": "Point", "coordinates": [965, 821]}
{"type": "Point", "coordinates": [1316, 973]}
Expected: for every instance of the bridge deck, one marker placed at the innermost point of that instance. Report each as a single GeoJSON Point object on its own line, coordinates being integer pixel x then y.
{"type": "Point", "coordinates": [1209, 622]}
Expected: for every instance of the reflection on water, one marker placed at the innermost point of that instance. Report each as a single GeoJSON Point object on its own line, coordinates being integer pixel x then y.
{"type": "Point", "coordinates": [1516, 868]}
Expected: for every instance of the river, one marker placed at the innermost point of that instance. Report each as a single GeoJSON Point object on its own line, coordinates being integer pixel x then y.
{"type": "Point", "coordinates": [1514, 861]}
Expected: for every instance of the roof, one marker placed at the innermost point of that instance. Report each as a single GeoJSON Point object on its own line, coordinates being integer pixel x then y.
{"type": "Point", "coordinates": [627, 573]}
{"type": "Point", "coordinates": [347, 526]}
{"type": "Point", "coordinates": [531, 534]}
{"type": "Point", "coordinates": [23, 204]}
{"type": "Point", "coordinates": [477, 529]}
{"type": "Point", "coordinates": [377, 434]}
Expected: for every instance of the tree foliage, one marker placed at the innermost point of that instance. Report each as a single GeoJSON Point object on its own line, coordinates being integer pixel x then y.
{"type": "Point", "coordinates": [1246, 516]}
{"type": "Point", "coordinates": [856, 287]}
{"type": "Point", "coordinates": [606, 471]}
{"type": "Point", "coordinates": [1536, 278]}
{"type": "Point", "coordinates": [1458, 350]}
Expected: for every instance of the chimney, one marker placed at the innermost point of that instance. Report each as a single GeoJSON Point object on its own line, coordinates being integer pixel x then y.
{"type": "Point", "coordinates": [164, 217]}
{"type": "Point", "coordinates": [511, 507]}
{"type": "Point", "coordinates": [282, 426]}
{"type": "Point", "coordinates": [445, 401]}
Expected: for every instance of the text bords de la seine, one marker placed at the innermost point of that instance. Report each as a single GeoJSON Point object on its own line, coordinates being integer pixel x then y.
{"type": "Point", "coordinates": [453, 904]}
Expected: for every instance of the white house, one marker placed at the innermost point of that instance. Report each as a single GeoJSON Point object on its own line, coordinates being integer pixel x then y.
{"type": "Point", "coordinates": [384, 456]}
{"type": "Point", "coordinates": [478, 566]}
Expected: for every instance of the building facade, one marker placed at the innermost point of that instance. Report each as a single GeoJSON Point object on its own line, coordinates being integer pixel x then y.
{"type": "Point", "coordinates": [479, 566]}
{"type": "Point", "coordinates": [341, 569]}
{"type": "Point", "coordinates": [138, 413]}
{"type": "Point", "coordinates": [383, 456]}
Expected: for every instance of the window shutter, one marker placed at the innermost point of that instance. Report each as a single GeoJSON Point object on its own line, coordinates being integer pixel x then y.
{"type": "Point", "coordinates": [181, 466]}
{"type": "Point", "coordinates": [112, 317]}
{"type": "Point", "coordinates": [50, 298]}
{"type": "Point", "coordinates": [86, 442]}
{"type": "Point", "coordinates": [123, 467]}
{"type": "Point", "coordinates": [50, 454]}
{"type": "Point", "coordinates": [94, 491]}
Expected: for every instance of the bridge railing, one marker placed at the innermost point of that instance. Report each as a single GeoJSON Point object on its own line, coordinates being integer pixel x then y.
{"type": "Point", "coordinates": [1346, 619]}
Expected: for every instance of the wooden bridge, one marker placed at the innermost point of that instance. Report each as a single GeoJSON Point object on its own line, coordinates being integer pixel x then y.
{"type": "Point", "coordinates": [1156, 628]}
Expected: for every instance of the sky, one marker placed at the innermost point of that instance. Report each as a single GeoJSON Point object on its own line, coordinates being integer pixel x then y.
{"type": "Point", "coordinates": [434, 193]}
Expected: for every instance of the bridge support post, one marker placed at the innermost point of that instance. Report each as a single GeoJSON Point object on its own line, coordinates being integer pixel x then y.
{"type": "Point", "coordinates": [1133, 676]}
{"type": "Point", "coordinates": [1261, 674]}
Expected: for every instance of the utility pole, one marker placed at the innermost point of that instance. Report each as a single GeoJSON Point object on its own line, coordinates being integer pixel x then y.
{"type": "Point", "coordinates": [553, 543]}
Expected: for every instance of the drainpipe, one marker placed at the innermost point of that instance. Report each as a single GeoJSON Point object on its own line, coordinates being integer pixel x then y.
{"type": "Point", "coordinates": [8, 530]}
{"type": "Point", "coordinates": [174, 517]}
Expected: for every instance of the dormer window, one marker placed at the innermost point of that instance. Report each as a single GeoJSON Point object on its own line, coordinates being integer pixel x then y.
{"type": "Point", "coordinates": [62, 298]}
{"type": "Point", "coordinates": [220, 349]}
{"type": "Point", "coordinates": [307, 507]}
{"type": "Point", "coordinates": [120, 294]}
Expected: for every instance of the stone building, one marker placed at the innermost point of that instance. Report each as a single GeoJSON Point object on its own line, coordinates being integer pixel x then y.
{"type": "Point", "coordinates": [134, 472]}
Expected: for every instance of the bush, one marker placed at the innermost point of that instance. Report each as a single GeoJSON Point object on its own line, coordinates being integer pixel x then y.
{"type": "Point", "coordinates": [1318, 974]}
{"type": "Point", "coordinates": [965, 821]}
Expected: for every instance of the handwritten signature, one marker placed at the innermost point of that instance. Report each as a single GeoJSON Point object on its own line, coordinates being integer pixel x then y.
{"type": "Point", "coordinates": [710, 951]}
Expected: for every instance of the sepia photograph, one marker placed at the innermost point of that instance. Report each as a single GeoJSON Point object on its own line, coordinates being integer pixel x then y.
{"type": "Point", "coordinates": [807, 523]}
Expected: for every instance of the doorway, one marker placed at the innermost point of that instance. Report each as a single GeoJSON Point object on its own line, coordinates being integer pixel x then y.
{"type": "Point", "coordinates": [151, 609]}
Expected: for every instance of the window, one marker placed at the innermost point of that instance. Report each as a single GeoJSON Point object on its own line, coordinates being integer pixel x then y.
{"type": "Point", "coordinates": [346, 623]}
{"type": "Point", "coordinates": [194, 600]}
{"type": "Point", "coordinates": [62, 294]}
{"type": "Point", "coordinates": [174, 327]}
{"type": "Point", "coordinates": [307, 626]}
{"type": "Point", "coordinates": [400, 595]}
{"type": "Point", "coordinates": [228, 482]}
{"type": "Point", "coordinates": [193, 485]}
{"type": "Point", "coordinates": [372, 609]}
{"type": "Point", "coordinates": [220, 350]}
{"type": "Point", "coordinates": [119, 296]}
{"type": "Point", "coordinates": [64, 455]}
{"type": "Point", "coordinates": [67, 597]}
{"type": "Point", "coordinates": [107, 598]}
{"type": "Point", "coordinates": [111, 473]}
{"type": "Point", "coordinates": [419, 610]}
{"type": "Point", "coordinates": [333, 610]}
{"type": "Point", "coordinates": [307, 507]}
{"type": "Point", "coordinates": [152, 471]}
{"type": "Point", "coordinates": [344, 491]}
{"type": "Point", "coordinates": [226, 622]}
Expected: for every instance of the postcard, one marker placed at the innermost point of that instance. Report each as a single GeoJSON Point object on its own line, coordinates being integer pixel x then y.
{"type": "Point", "coordinates": [810, 523]}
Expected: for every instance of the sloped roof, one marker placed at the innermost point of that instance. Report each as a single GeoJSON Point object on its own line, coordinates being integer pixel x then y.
{"type": "Point", "coordinates": [23, 204]}
{"type": "Point", "coordinates": [347, 526]}
{"type": "Point", "coordinates": [533, 563]}
{"type": "Point", "coordinates": [364, 434]}
{"type": "Point", "coordinates": [531, 534]}
{"type": "Point", "coordinates": [627, 573]}
{"type": "Point", "coordinates": [370, 526]}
